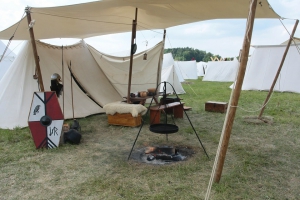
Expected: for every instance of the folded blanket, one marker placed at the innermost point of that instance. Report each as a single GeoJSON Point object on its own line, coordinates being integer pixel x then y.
{"type": "Point", "coordinates": [122, 107]}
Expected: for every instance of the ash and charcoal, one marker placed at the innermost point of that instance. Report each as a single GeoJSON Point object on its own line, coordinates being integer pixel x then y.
{"type": "Point", "coordinates": [162, 155]}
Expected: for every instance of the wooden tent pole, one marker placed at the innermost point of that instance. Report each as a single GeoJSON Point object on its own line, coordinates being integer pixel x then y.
{"type": "Point", "coordinates": [36, 58]}
{"type": "Point", "coordinates": [63, 76]}
{"type": "Point", "coordinates": [160, 62]}
{"type": "Point", "coordinates": [279, 69]}
{"type": "Point", "coordinates": [72, 89]}
{"type": "Point", "coordinates": [236, 92]}
{"type": "Point", "coordinates": [133, 35]}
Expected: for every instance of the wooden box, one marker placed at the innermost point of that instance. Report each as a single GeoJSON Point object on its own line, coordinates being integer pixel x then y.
{"type": "Point", "coordinates": [214, 106]}
{"type": "Point", "coordinates": [124, 119]}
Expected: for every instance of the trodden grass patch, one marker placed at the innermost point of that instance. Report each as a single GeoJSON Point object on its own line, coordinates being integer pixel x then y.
{"type": "Point", "coordinates": [262, 161]}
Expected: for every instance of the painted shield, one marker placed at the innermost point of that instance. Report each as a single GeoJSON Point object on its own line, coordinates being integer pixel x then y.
{"type": "Point", "coordinates": [45, 120]}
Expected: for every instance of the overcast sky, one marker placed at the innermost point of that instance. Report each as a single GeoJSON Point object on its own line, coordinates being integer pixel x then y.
{"type": "Point", "coordinates": [222, 37]}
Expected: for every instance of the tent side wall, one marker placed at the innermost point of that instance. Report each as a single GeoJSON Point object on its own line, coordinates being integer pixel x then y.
{"type": "Point", "coordinates": [7, 60]}
{"type": "Point", "coordinates": [188, 69]}
{"type": "Point", "coordinates": [17, 87]}
{"type": "Point", "coordinates": [169, 75]}
{"type": "Point", "coordinates": [116, 69]}
{"type": "Point", "coordinates": [264, 64]}
{"type": "Point", "coordinates": [221, 71]}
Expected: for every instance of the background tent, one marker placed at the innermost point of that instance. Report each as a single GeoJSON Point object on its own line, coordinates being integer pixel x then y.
{"type": "Point", "coordinates": [188, 69]}
{"type": "Point", "coordinates": [169, 60]}
{"type": "Point", "coordinates": [6, 60]}
{"type": "Point", "coordinates": [295, 40]}
{"type": "Point", "coordinates": [169, 74]}
{"type": "Point", "coordinates": [115, 16]}
{"type": "Point", "coordinates": [17, 86]}
{"type": "Point", "coordinates": [263, 66]}
{"type": "Point", "coordinates": [221, 71]}
{"type": "Point", "coordinates": [201, 68]}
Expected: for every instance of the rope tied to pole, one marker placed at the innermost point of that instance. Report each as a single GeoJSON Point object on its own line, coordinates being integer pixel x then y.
{"type": "Point", "coordinates": [11, 38]}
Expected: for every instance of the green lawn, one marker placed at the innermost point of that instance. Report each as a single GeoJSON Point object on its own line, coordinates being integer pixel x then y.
{"type": "Point", "coordinates": [262, 161]}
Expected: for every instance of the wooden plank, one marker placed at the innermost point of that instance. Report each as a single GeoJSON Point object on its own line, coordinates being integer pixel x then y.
{"type": "Point", "coordinates": [162, 107]}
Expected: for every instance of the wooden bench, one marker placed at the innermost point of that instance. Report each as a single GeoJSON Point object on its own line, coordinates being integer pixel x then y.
{"type": "Point", "coordinates": [156, 110]}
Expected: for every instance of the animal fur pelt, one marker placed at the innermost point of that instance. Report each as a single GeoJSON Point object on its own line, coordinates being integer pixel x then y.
{"type": "Point", "coordinates": [122, 107]}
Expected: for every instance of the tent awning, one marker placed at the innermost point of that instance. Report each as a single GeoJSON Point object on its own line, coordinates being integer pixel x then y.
{"type": "Point", "coordinates": [115, 16]}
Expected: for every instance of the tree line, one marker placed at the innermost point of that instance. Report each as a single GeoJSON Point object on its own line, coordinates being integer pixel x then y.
{"type": "Point", "coordinates": [187, 53]}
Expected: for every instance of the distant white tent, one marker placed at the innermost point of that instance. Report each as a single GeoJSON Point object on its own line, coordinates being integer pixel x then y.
{"type": "Point", "coordinates": [221, 71]}
{"type": "Point", "coordinates": [201, 67]}
{"type": "Point", "coordinates": [263, 66]}
{"type": "Point", "coordinates": [7, 59]}
{"type": "Point", "coordinates": [104, 79]}
{"type": "Point", "coordinates": [170, 75]}
{"type": "Point", "coordinates": [169, 60]}
{"type": "Point", "coordinates": [188, 69]}
{"type": "Point", "coordinates": [295, 40]}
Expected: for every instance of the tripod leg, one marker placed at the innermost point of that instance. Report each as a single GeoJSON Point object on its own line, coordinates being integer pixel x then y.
{"type": "Point", "coordinates": [196, 134]}
{"type": "Point", "coordinates": [135, 140]}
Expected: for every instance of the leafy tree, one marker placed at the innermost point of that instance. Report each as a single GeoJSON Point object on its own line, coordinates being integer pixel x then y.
{"type": "Point", "coordinates": [187, 53]}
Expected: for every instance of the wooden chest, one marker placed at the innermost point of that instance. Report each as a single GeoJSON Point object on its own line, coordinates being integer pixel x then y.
{"type": "Point", "coordinates": [214, 106]}
{"type": "Point", "coordinates": [124, 119]}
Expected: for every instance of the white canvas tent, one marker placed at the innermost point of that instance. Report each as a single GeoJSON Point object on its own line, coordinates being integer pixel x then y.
{"type": "Point", "coordinates": [169, 60]}
{"type": "Point", "coordinates": [201, 68]}
{"type": "Point", "coordinates": [221, 71]}
{"type": "Point", "coordinates": [102, 18]}
{"type": "Point", "coordinates": [94, 71]}
{"type": "Point", "coordinates": [263, 65]}
{"type": "Point", "coordinates": [6, 60]}
{"type": "Point", "coordinates": [170, 75]}
{"type": "Point", "coordinates": [188, 69]}
{"type": "Point", "coordinates": [295, 40]}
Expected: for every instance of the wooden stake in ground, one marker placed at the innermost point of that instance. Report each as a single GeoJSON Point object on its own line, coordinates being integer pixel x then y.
{"type": "Point", "coordinates": [36, 58]}
{"type": "Point", "coordinates": [236, 92]}
{"type": "Point", "coordinates": [133, 35]}
{"type": "Point", "coordinates": [279, 69]}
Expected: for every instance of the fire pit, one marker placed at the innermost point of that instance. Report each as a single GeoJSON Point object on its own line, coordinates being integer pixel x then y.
{"type": "Point", "coordinates": [162, 154]}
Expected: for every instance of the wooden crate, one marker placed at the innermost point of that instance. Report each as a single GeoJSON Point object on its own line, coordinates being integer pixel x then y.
{"type": "Point", "coordinates": [124, 119]}
{"type": "Point", "coordinates": [214, 106]}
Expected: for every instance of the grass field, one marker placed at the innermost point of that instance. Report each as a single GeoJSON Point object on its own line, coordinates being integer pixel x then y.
{"type": "Point", "coordinates": [262, 161]}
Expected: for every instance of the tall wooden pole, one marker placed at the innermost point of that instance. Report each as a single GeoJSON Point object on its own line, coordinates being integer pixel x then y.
{"type": "Point", "coordinates": [63, 76]}
{"type": "Point", "coordinates": [72, 89]}
{"type": "Point", "coordinates": [279, 69]}
{"type": "Point", "coordinates": [161, 57]}
{"type": "Point", "coordinates": [36, 58]}
{"type": "Point", "coordinates": [133, 35]}
{"type": "Point", "coordinates": [236, 92]}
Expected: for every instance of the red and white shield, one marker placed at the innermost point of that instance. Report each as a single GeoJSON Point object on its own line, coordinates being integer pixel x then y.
{"type": "Point", "coordinates": [45, 120]}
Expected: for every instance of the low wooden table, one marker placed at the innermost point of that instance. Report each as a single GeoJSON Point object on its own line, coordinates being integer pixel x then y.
{"type": "Point", "coordinates": [142, 100]}
{"type": "Point", "coordinates": [156, 110]}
